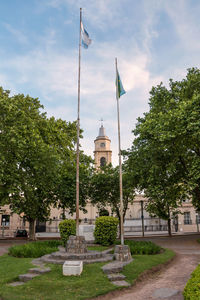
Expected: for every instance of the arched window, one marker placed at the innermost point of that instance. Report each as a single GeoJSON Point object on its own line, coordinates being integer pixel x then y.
{"type": "Point", "coordinates": [102, 161]}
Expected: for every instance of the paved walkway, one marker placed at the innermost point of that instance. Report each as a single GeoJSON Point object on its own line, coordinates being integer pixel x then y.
{"type": "Point", "coordinates": [169, 282]}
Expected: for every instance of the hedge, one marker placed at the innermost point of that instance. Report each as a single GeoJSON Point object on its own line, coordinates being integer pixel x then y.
{"type": "Point", "coordinates": [67, 227]}
{"type": "Point", "coordinates": [105, 232]}
{"type": "Point", "coordinates": [34, 249]}
{"type": "Point", "coordinates": [142, 247]}
{"type": "Point", "coordinates": [192, 288]}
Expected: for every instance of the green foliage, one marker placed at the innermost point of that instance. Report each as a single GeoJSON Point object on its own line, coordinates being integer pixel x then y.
{"type": "Point", "coordinates": [34, 249]}
{"type": "Point", "coordinates": [104, 189]}
{"type": "Point", "coordinates": [32, 149]}
{"type": "Point", "coordinates": [103, 212]}
{"type": "Point", "coordinates": [165, 154]}
{"type": "Point", "coordinates": [192, 288]}
{"type": "Point", "coordinates": [105, 232]}
{"type": "Point", "coordinates": [142, 247]}
{"type": "Point", "coordinates": [66, 183]}
{"type": "Point", "coordinates": [67, 228]}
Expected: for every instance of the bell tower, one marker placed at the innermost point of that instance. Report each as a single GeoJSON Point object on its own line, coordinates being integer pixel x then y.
{"type": "Point", "coordinates": [102, 152]}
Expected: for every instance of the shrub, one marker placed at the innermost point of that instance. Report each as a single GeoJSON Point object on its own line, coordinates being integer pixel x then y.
{"type": "Point", "coordinates": [34, 249]}
{"type": "Point", "coordinates": [192, 288]}
{"type": "Point", "coordinates": [143, 247]}
{"type": "Point", "coordinates": [67, 228]}
{"type": "Point", "coordinates": [105, 232]}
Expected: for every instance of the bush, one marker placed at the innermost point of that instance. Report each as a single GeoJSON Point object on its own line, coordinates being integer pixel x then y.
{"type": "Point", "coordinates": [192, 288]}
{"type": "Point", "coordinates": [142, 247]}
{"type": "Point", "coordinates": [34, 249]}
{"type": "Point", "coordinates": [105, 232]}
{"type": "Point", "coordinates": [67, 228]}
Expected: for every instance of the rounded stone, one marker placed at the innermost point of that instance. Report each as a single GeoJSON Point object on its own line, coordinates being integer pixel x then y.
{"type": "Point", "coordinates": [164, 293]}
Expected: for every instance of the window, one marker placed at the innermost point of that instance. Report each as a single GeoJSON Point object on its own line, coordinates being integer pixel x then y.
{"type": "Point", "coordinates": [5, 220]}
{"type": "Point", "coordinates": [198, 217]}
{"type": "Point", "coordinates": [102, 145]}
{"type": "Point", "coordinates": [187, 219]}
{"type": "Point", "coordinates": [102, 161]}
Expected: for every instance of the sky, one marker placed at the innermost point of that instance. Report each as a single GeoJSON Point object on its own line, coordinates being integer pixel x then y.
{"type": "Point", "coordinates": [153, 40]}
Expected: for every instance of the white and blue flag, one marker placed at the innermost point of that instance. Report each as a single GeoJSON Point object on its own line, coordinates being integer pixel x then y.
{"type": "Point", "coordinates": [86, 41]}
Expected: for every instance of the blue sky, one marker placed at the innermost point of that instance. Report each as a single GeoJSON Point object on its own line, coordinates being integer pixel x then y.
{"type": "Point", "coordinates": [154, 40]}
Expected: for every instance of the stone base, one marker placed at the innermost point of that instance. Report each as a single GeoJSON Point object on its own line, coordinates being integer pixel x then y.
{"type": "Point", "coordinates": [122, 253]}
{"type": "Point", "coordinates": [76, 244]}
{"type": "Point", "coordinates": [72, 268]}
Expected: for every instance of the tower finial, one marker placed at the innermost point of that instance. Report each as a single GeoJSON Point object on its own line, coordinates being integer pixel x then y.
{"type": "Point", "coordinates": [101, 120]}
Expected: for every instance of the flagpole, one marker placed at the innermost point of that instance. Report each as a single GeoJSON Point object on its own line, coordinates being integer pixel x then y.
{"type": "Point", "coordinates": [78, 132]}
{"type": "Point", "coordinates": [120, 164]}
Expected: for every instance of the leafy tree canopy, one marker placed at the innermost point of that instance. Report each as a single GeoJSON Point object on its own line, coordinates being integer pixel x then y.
{"type": "Point", "coordinates": [165, 155]}
{"type": "Point", "coordinates": [104, 189]}
{"type": "Point", "coordinates": [36, 153]}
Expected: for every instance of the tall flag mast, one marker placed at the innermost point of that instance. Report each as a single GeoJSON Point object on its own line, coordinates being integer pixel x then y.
{"type": "Point", "coordinates": [85, 41]}
{"type": "Point", "coordinates": [119, 92]}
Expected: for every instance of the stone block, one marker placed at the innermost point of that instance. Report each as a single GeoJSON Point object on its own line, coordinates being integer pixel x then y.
{"type": "Point", "coordinates": [16, 283]}
{"type": "Point", "coordinates": [121, 283]}
{"type": "Point", "coordinates": [87, 231]}
{"type": "Point", "coordinates": [27, 277]}
{"type": "Point", "coordinates": [76, 244]}
{"type": "Point", "coordinates": [39, 270]}
{"type": "Point", "coordinates": [122, 253]}
{"type": "Point", "coordinates": [72, 267]}
{"type": "Point", "coordinates": [116, 277]}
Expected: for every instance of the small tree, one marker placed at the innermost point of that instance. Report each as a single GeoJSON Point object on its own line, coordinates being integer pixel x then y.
{"type": "Point", "coordinates": [104, 189]}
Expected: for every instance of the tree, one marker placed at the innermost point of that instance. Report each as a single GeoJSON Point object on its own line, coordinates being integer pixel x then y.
{"type": "Point", "coordinates": [66, 185]}
{"type": "Point", "coordinates": [165, 155]}
{"type": "Point", "coordinates": [104, 189]}
{"type": "Point", "coordinates": [32, 147]}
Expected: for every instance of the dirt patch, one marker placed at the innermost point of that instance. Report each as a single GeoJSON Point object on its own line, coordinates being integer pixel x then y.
{"type": "Point", "coordinates": [173, 274]}
{"type": "Point", "coordinates": [151, 273]}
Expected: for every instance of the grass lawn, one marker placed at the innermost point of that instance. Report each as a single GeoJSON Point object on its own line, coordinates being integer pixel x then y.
{"type": "Point", "coordinates": [97, 248]}
{"type": "Point", "coordinates": [53, 285]}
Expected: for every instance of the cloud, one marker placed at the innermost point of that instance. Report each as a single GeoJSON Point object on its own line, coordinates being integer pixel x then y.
{"type": "Point", "coordinates": [185, 22]}
{"type": "Point", "coordinates": [18, 35]}
{"type": "Point", "coordinates": [50, 71]}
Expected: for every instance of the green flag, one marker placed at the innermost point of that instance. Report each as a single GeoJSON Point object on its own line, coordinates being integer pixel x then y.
{"type": "Point", "coordinates": [119, 87]}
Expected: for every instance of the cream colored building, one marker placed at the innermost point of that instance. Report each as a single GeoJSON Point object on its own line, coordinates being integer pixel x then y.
{"type": "Point", "coordinates": [187, 221]}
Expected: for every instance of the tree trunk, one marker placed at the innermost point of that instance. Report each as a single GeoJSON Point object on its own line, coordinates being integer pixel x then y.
{"type": "Point", "coordinates": [169, 227]}
{"type": "Point", "coordinates": [32, 236]}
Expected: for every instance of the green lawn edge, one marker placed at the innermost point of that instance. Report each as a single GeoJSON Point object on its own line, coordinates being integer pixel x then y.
{"type": "Point", "coordinates": [91, 283]}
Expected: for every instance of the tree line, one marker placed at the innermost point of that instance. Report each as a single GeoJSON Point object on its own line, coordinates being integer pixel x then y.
{"type": "Point", "coordinates": [38, 157]}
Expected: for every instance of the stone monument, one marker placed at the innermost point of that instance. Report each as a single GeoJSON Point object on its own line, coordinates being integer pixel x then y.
{"type": "Point", "coordinates": [122, 253]}
{"type": "Point", "coordinates": [76, 245]}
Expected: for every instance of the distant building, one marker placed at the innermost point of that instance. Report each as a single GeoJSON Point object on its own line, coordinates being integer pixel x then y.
{"type": "Point", "coordinates": [187, 221]}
